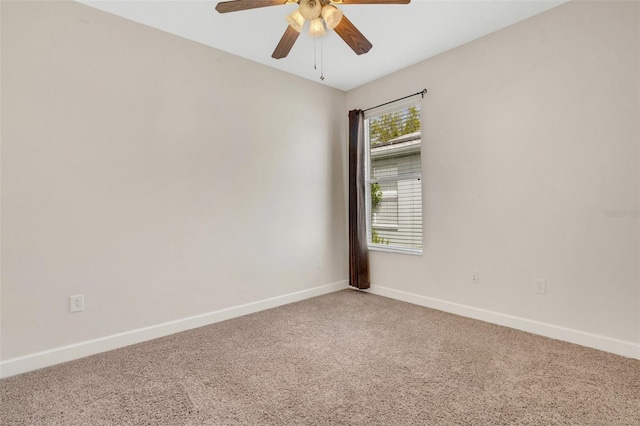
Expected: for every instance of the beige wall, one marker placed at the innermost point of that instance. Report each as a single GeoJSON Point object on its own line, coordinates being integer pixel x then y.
{"type": "Point", "coordinates": [530, 134]}
{"type": "Point", "coordinates": [158, 177]}
{"type": "Point", "coordinates": [130, 176]}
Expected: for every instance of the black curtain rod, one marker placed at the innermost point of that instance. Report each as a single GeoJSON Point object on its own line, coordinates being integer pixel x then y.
{"type": "Point", "coordinates": [399, 99]}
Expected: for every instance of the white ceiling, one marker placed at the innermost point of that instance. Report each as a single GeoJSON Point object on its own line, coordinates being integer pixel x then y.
{"type": "Point", "coordinates": [401, 35]}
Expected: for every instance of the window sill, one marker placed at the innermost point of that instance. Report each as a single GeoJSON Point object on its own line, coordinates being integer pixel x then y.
{"type": "Point", "coordinates": [397, 250]}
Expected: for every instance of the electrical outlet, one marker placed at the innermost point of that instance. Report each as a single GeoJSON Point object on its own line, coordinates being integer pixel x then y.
{"type": "Point", "coordinates": [317, 262]}
{"type": "Point", "coordinates": [475, 278]}
{"type": "Point", "coordinates": [76, 303]}
{"type": "Point", "coordinates": [541, 286]}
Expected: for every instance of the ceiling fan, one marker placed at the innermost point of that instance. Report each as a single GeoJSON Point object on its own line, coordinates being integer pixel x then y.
{"type": "Point", "coordinates": [319, 13]}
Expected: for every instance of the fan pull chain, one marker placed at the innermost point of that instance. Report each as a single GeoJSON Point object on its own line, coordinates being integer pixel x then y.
{"type": "Point", "coordinates": [321, 62]}
{"type": "Point", "coordinates": [314, 50]}
{"type": "Point", "coordinates": [315, 54]}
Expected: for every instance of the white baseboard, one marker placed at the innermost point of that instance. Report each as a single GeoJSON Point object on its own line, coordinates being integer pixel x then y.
{"type": "Point", "coordinates": [603, 343]}
{"type": "Point", "coordinates": [51, 357]}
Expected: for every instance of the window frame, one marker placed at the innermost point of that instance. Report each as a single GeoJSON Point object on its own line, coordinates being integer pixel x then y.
{"type": "Point", "coordinates": [369, 180]}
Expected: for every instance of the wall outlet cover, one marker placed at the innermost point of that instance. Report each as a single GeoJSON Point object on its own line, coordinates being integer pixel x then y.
{"type": "Point", "coordinates": [76, 303]}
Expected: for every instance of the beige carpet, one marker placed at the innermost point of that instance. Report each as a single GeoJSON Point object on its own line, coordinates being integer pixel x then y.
{"type": "Point", "coordinates": [343, 358]}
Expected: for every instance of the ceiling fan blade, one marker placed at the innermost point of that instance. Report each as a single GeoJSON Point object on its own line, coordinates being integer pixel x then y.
{"type": "Point", "coordinates": [372, 1]}
{"type": "Point", "coordinates": [286, 43]}
{"type": "Point", "coordinates": [238, 5]}
{"type": "Point", "coordinates": [354, 38]}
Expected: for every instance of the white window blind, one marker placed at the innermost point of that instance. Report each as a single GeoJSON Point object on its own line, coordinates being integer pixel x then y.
{"type": "Point", "coordinates": [393, 175]}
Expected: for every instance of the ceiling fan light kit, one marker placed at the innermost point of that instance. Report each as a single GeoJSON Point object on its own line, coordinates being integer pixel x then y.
{"type": "Point", "coordinates": [319, 13]}
{"type": "Point", "coordinates": [296, 20]}
{"type": "Point", "coordinates": [310, 9]}
{"type": "Point", "coordinates": [316, 28]}
{"type": "Point", "coordinates": [331, 15]}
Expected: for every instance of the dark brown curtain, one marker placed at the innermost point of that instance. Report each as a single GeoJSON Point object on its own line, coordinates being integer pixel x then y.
{"type": "Point", "coordinates": [358, 253]}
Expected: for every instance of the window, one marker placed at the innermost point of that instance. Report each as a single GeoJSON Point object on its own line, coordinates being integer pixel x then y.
{"type": "Point", "coordinates": [393, 175]}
